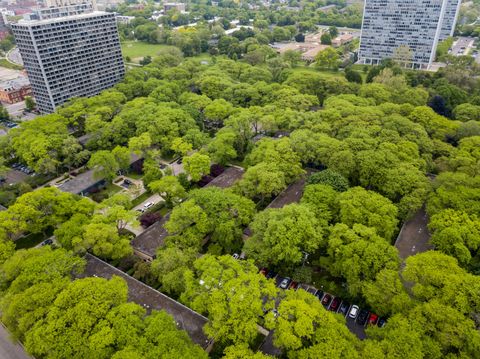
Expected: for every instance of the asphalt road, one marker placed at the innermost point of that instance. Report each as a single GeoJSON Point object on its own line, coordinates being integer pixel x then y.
{"type": "Point", "coordinates": [9, 349]}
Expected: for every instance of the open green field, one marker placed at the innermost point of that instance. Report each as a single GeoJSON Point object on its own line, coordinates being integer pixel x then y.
{"type": "Point", "coordinates": [136, 50]}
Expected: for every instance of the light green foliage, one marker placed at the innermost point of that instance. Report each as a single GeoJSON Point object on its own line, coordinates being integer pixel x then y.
{"type": "Point", "coordinates": [263, 180]}
{"type": "Point", "coordinates": [437, 276]}
{"type": "Point", "coordinates": [140, 144]}
{"type": "Point", "coordinates": [358, 205]}
{"type": "Point", "coordinates": [220, 214]}
{"type": "Point", "coordinates": [36, 211]}
{"type": "Point", "coordinates": [467, 112]}
{"type": "Point", "coordinates": [169, 267]}
{"type": "Point", "coordinates": [197, 165]}
{"type": "Point", "coordinates": [170, 189]}
{"type": "Point", "coordinates": [280, 236]}
{"type": "Point", "coordinates": [358, 254]}
{"type": "Point", "coordinates": [387, 293]}
{"type": "Point", "coordinates": [457, 191]}
{"type": "Point", "coordinates": [222, 149]}
{"type": "Point", "coordinates": [456, 233]}
{"type": "Point", "coordinates": [328, 59]}
{"type": "Point", "coordinates": [232, 293]}
{"type": "Point", "coordinates": [30, 289]}
{"type": "Point", "coordinates": [277, 153]}
{"type": "Point", "coordinates": [180, 146]}
{"type": "Point", "coordinates": [304, 328]}
{"type": "Point", "coordinates": [323, 200]}
{"type": "Point", "coordinates": [104, 164]}
{"type": "Point", "coordinates": [467, 158]}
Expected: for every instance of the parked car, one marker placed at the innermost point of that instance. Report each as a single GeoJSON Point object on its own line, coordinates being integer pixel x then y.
{"type": "Point", "coordinates": [284, 283]}
{"type": "Point", "coordinates": [46, 242]}
{"type": "Point", "coordinates": [264, 271]}
{"type": "Point", "coordinates": [271, 274]}
{"type": "Point", "coordinates": [293, 285]}
{"type": "Point", "coordinates": [353, 311]}
{"type": "Point", "coordinates": [235, 255]}
{"type": "Point", "coordinates": [180, 161]}
{"type": "Point", "coordinates": [372, 319]}
{"type": "Point", "coordinates": [127, 182]}
{"type": "Point", "coordinates": [343, 309]}
{"type": "Point", "coordinates": [381, 322]}
{"type": "Point", "coordinates": [362, 317]}
{"type": "Point", "coordinates": [148, 204]}
{"type": "Point", "coordinates": [335, 304]}
{"type": "Point", "coordinates": [319, 294]}
{"type": "Point", "coordinates": [327, 299]}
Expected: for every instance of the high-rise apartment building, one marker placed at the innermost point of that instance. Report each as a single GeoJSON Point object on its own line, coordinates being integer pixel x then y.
{"type": "Point", "coordinates": [450, 18]}
{"type": "Point", "coordinates": [409, 29]}
{"type": "Point", "coordinates": [69, 56]}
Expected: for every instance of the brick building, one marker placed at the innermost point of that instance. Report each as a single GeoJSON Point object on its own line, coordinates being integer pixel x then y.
{"type": "Point", "coordinates": [14, 91]}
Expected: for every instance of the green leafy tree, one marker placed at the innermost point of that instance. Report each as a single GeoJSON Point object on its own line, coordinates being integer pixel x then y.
{"type": "Point", "coordinates": [104, 165]}
{"type": "Point", "coordinates": [329, 177]}
{"type": "Point", "coordinates": [233, 294]}
{"type": "Point", "coordinates": [304, 328]}
{"type": "Point", "coordinates": [456, 233]}
{"type": "Point", "coordinates": [358, 205]}
{"type": "Point", "coordinates": [30, 103]}
{"type": "Point", "coordinates": [197, 165]}
{"type": "Point", "coordinates": [358, 254]}
{"type": "Point", "coordinates": [327, 59]}
{"type": "Point", "coordinates": [281, 236]}
{"type": "Point", "coordinates": [170, 189]}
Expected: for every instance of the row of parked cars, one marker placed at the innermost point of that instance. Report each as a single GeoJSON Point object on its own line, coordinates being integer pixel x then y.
{"type": "Point", "coordinates": [23, 168]}
{"type": "Point", "coordinates": [361, 317]}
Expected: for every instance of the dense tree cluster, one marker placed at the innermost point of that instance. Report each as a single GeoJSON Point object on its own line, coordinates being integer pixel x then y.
{"type": "Point", "coordinates": [58, 317]}
{"type": "Point", "coordinates": [371, 155]}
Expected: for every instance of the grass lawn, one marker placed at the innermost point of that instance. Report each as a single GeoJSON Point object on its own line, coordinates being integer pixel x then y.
{"type": "Point", "coordinates": [105, 193]}
{"type": "Point", "coordinates": [326, 73]}
{"type": "Point", "coordinates": [8, 65]}
{"type": "Point", "coordinates": [140, 198]}
{"type": "Point", "coordinates": [136, 50]}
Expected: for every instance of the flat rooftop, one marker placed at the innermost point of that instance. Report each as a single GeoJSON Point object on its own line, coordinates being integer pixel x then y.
{"type": "Point", "coordinates": [228, 178]}
{"type": "Point", "coordinates": [153, 238]}
{"type": "Point", "coordinates": [80, 183]}
{"type": "Point", "coordinates": [28, 23]}
{"type": "Point", "coordinates": [151, 299]}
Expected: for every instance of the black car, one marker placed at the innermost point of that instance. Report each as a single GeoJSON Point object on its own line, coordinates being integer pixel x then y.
{"type": "Point", "coordinates": [344, 308]}
{"type": "Point", "coordinates": [319, 294]}
{"type": "Point", "coordinates": [381, 322]}
{"type": "Point", "coordinates": [362, 317]}
{"type": "Point", "coordinates": [327, 299]}
{"type": "Point", "coordinates": [271, 274]}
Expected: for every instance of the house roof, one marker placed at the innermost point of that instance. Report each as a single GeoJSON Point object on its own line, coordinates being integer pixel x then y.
{"type": "Point", "coordinates": [80, 183]}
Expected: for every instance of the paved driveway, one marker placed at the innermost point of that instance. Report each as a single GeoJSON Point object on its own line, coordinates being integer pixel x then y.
{"type": "Point", "coordinates": [9, 349]}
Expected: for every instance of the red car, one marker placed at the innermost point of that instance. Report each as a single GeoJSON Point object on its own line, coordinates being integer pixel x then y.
{"type": "Point", "coordinates": [335, 304]}
{"type": "Point", "coordinates": [263, 271]}
{"type": "Point", "coordinates": [373, 319]}
{"type": "Point", "coordinates": [293, 285]}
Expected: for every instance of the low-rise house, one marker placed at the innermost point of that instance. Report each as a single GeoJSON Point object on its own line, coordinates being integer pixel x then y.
{"type": "Point", "coordinates": [13, 91]}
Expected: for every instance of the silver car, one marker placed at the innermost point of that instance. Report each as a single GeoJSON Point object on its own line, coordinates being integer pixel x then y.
{"type": "Point", "coordinates": [353, 311]}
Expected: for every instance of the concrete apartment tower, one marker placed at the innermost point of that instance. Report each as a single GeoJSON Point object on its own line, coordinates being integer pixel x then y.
{"type": "Point", "coordinates": [406, 30]}
{"type": "Point", "coordinates": [69, 51]}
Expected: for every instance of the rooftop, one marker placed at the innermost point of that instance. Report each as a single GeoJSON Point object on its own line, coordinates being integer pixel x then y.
{"type": "Point", "coordinates": [153, 238]}
{"type": "Point", "coordinates": [227, 178]}
{"type": "Point", "coordinates": [151, 299]}
{"type": "Point", "coordinates": [28, 23]}
{"type": "Point", "coordinates": [80, 183]}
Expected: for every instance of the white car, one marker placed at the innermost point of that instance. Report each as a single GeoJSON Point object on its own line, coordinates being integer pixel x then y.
{"type": "Point", "coordinates": [148, 204]}
{"type": "Point", "coordinates": [353, 311]}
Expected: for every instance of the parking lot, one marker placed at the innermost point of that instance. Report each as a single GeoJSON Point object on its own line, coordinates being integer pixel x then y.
{"type": "Point", "coordinates": [357, 319]}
